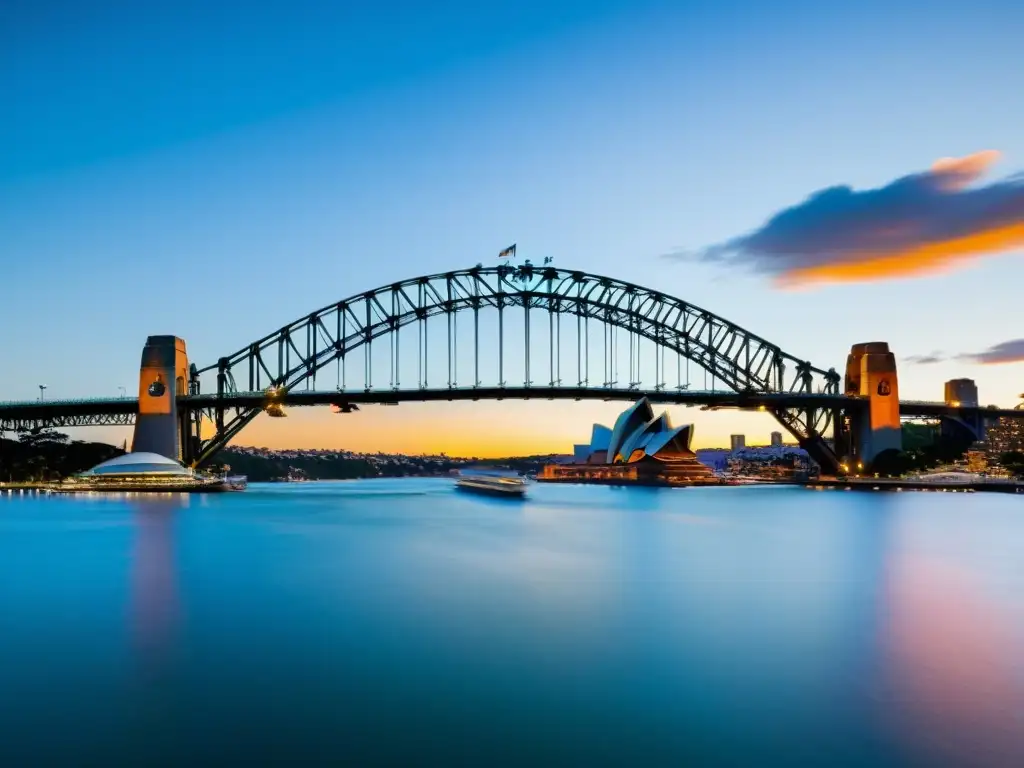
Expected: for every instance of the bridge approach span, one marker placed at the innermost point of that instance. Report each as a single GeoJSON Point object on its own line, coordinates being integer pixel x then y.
{"type": "Point", "coordinates": [66, 414]}
{"type": "Point", "coordinates": [43, 412]}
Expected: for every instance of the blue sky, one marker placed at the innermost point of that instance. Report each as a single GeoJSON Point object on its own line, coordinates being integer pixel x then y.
{"type": "Point", "coordinates": [217, 173]}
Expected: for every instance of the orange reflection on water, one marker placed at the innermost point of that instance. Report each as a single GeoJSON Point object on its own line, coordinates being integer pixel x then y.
{"type": "Point", "coordinates": [951, 658]}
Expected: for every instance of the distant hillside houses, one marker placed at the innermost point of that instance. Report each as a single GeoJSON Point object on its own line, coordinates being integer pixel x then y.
{"type": "Point", "coordinates": [722, 459]}
{"type": "Point", "coordinates": [377, 458]}
{"type": "Point", "coordinates": [269, 464]}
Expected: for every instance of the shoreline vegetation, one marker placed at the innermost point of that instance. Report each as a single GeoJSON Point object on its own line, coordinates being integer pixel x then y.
{"type": "Point", "coordinates": [49, 456]}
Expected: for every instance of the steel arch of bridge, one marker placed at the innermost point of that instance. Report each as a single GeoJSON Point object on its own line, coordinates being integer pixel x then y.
{"type": "Point", "coordinates": [294, 354]}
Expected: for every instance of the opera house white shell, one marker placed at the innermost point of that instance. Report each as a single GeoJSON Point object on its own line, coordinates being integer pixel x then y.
{"type": "Point", "coordinates": [637, 433]}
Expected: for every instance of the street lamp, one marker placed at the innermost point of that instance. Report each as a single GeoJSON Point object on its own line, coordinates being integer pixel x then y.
{"type": "Point", "coordinates": [122, 391]}
{"type": "Point", "coordinates": [42, 388]}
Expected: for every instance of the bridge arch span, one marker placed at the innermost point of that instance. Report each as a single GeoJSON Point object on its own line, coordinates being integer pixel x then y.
{"type": "Point", "coordinates": [295, 353]}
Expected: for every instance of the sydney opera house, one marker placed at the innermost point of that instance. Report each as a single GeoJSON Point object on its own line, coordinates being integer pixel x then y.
{"type": "Point", "coordinates": [641, 448]}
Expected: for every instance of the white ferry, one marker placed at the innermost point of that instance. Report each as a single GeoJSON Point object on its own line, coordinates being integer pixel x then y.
{"type": "Point", "coordinates": [493, 482]}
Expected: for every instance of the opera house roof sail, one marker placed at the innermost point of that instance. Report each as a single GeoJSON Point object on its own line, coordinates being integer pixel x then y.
{"type": "Point", "coordinates": [638, 430]}
{"type": "Point", "coordinates": [641, 447]}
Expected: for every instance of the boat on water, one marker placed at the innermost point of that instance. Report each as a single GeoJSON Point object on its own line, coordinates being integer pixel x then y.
{"type": "Point", "coordinates": [236, 482]}
{"type": "Point", "coordinates": [146, 473]}
{"type": "Point", "coordinates": [491, 482]}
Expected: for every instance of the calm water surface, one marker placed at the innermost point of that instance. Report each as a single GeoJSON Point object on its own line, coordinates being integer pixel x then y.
{"type": "Point", "coordinates": [402, 622]}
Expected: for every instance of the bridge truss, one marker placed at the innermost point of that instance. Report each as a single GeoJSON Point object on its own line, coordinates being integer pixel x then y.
{"type": "Point", "coordinates": [592, 329]}
{"type": "Point", "coordinates": [34, 422]}
{"type": "Point", "coordinates": [33, 416]}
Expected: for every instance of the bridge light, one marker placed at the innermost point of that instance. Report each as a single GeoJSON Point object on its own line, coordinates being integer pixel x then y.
{"type": "Point", "coordinates": [955, 403]}
{"type": "Point", "coordinates": [761, 407]}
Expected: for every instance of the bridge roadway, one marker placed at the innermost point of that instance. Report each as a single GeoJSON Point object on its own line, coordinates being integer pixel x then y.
{"type": "Point", "coordinates": [121, 411]}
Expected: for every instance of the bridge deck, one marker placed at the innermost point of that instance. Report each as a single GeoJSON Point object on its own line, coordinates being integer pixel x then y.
{"type": "Point", "coordinates": [36, 410]}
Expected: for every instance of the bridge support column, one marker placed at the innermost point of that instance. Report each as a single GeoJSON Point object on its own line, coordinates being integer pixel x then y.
{"type": "Point", "coordinates": [163, 376]}
{"type": "Point", "coordinates": [875, 427]}
{"type": "Point", "coordinates": [963, 393]}
{"type": "Point", "coordinates": [841, 440]}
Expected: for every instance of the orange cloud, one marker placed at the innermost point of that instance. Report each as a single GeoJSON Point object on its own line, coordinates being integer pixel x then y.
{"type": "Point", "coordinates": [956, 171]}
{"type": "Point", "coordinates": [928, 259]}
{"type": "Point", "coordinates": [925, 223]}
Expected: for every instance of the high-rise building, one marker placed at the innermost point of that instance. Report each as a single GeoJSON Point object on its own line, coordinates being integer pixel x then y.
{"type": "Point", "coordinates": [776, 438]}
{"type": "Point", "coordinates": [736, 442]}
{"type": "Point", "coordinates": [961, 392]}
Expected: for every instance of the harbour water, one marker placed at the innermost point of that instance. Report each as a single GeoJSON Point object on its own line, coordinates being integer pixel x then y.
{"type": "Point", "coordinates": [396, 621]}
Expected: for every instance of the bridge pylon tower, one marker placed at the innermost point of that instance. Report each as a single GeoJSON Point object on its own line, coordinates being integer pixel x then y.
{"type": "Point", "coordinates": [163, 376]}
{"type": "Point", "coordinates": [874, 426]}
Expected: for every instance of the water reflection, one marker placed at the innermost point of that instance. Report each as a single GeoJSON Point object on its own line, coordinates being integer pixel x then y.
{"type": "Point", "coordinates": [586, 626]}
{"type": "Point", "coordinates": [952, 662]}
{"type": "Point", "coordinates": [155, 600]}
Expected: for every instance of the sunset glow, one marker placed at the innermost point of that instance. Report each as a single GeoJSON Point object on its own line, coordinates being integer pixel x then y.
{"type": "Point", "coordinates": [917, 225]}
{"type": "Point", "coordinates": [922, 260]}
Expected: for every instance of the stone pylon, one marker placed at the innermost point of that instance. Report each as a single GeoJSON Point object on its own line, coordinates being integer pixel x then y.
{"type": "Point", "coordinates": [871, 373]}
{"type": "Point", "coordinates": [163, 376]}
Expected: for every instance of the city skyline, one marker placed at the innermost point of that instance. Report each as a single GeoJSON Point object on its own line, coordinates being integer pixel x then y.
{"type": "Point", "coordinates": [174, 176]}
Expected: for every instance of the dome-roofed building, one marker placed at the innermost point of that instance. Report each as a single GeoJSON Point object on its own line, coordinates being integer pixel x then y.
{"type": "Point", "coordinates": [640, 448]}
{"type": "Point", "coordinates": [136, 464]}
{"type": "Point", "coordinates": [145, 472]}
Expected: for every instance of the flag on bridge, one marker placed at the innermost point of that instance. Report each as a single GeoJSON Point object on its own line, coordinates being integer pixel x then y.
{"type": "Point", "coordinates": [508, 253]}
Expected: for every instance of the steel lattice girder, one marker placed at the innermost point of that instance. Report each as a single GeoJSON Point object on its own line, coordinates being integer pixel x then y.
{"type": "Point", "coordinates": [740, 359]}
{"type": "Point", "coordinates": [59, 421]}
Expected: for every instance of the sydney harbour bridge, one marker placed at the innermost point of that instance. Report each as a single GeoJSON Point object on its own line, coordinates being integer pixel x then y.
{"type": "Point", "coordinates": [501, 333]}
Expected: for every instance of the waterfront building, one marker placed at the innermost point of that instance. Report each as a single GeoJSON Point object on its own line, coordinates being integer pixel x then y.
{"type": "Point", "coordinates": [776, 438]}
{"type": "Point", "coordinates": [139, 465]}
{"type": "Point", "coordinates": [715, 458]}
{"type": "Point", "coordinates": [144, 471]}
{"type": "Point", "coordinates": [641, 448]}
{"type": "Point", "coordinates": [736, 442]}
{"type": "Point", "coordinates": [776, 462]}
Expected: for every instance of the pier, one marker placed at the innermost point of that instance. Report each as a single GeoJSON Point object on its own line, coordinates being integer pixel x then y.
{"type": "Point", "coordinates": [976, 485]}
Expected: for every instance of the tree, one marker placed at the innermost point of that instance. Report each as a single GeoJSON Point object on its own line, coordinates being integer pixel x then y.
{"type": "Point", "coordinates": [1013, 462]}
{"type": "Point", "coordinates": [892, 462]}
